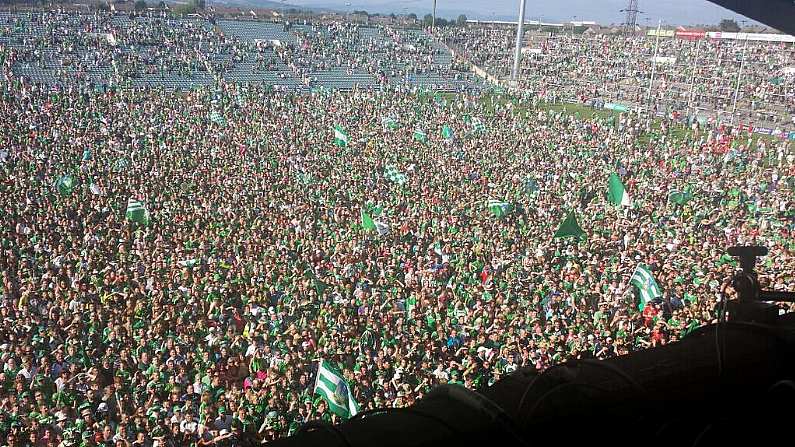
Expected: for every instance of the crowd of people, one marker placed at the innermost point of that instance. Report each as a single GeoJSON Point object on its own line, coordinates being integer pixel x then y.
{"type": "Point", "coordinates": [690, 76]}
{"type": "Point", "coordinates": [116, 49]}
{"type": "Point", "coordinates": [203, 324]}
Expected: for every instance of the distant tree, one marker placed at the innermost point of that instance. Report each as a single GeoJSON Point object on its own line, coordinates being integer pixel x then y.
{"type": "Point", "coordinates": [103, 7]}
{"type": "Point", "coordinates": [140, 5]}
{"type": "Point", "coordinates": [392, 16]}
{"type": "Point", "coordinates": [413, 16]}
{"type": "Point", "coordinates": [427, 20]}
{"type": "Point", "coordinates": [161, 5]}
{"type": "Point", "coordinates": [361, 13]}
{"type": "Point", "coordinates": [462, 20]}
{"type": "Point", "coordinates": [185, 8]}
{"type": "Point", "coordinates": [199, 4]}
{"type": "Point", "coordinates": [729, 26]}
{"type": "Point", "coordinates": [441, 22]}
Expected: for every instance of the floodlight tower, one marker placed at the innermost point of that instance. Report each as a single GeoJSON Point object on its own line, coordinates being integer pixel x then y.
{"type": "Point", "coordinates": [632, 16]}
{"type": "Point", "coordinates": [433, 20]}
{"type": "Point", "coordinates": [518, 53]}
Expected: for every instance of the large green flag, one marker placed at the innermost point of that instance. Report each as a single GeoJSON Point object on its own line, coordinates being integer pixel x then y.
{"type": "Point", "coordinates": [569, 227]}
{"type": "Point", "coordinates": [340, 137]}
{"type": "Point", "coordinates": [136, 212]}
{"type": "Point", "coordinates": [65, 185]}
{"type": "Point", "coordinates": [447, 132]}
{"type": "Point", "coordinates": [498, 208]}
{"type": "Point", "coordinates": [680, 197]}
{"type": "Point", "coordinates": [647, 286]}
{"type": "Point", "coordinates": [616, 193]}
{"type": "Point", "coordinates": [420, 135]}
{"type": "Point", "coordinates": [392, 174]}
{"type": "Point", "coordinates": [334, 389]}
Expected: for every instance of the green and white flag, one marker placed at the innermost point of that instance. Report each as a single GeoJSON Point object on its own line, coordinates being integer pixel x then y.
{"type": "Point", "coordinates": [616, 193]}
{"type": "Point", "coordinates": [304, 177]}
{"type": "Point", "coordinates": [136, 212]}
{"type": "Point", "coordinates": [478, 125]}
{"type": "Point", "coordinates": [530, 184]}
{"type": "Point", "coordinates": [340, 137]}
{"type": "Point", "coordinates": [388, 122]}
{"type": "Point", "coordinates": [120, 165]}
{"type": "Point", "coordinates": [498, 208]}
{"type": "Point", "coordinates": [217, 118]}
{"type": "Point", "coordinates": [333, 388]}
{"type": "Point", "coordinates": [420, 135]}
{"type": "Point", "coordinates": [188, 262]}
{"type": "Point", "coordinates": [392, 174]}
{"type": "Point", "coordinates": [65, 185]}
{"type": "Point", "coordinates": [373, 225]}
{"type": "Point", "coordinates": [447, 132]}
{"type": "Point", "coordinates": [647, 286]}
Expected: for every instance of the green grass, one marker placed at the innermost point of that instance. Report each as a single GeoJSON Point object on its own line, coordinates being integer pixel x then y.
{"type": "Point", "coordinates": [586, 112]}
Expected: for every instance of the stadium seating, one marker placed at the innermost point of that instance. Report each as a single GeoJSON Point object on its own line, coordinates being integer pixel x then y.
{"type": "Point", "coordinates": [185, 53]}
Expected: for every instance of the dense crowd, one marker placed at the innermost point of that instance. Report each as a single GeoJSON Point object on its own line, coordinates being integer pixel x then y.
{"type": "Point", "coordinates": [691, 76]}
{"type": "Point", "coordinates": [204, 323]}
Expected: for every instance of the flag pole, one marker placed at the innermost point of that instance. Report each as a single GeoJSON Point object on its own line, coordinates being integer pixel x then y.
{"type": "Point", "coordinates": [317, 375]}
{"type": "Point", "coordinates": [629, 283]}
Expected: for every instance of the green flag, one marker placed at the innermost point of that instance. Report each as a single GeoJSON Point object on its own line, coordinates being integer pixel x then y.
{"type": "Point", "coordinates": [390, 123]}
{"type": "Point", "coordinates": [392, 174]}
{"type": "Point", "coordinates": [217, 118]}
{"type": "Point", "coordinates": [409, 305]}
{"type": "Point", "coordinates": [530, 185]}
{"type": "Point", "coordinates": [616, 193]}
{"type": "Point", "coordinates": [569, 227]}
{"type": "Point", "coordinates": [120, 165]}
{"type": "Point", "coordinates": [478, 125]}
{"type": "Point", "coordinates": [340, 137]}
{"type": "Point", "coordinates": [373, 225]}
{"type": "Point", "coordinates": [498, 208]}
{"type": "Point", "coordinates": [420, 135]}
{"type": "Point", "coordinates": [136, 212]}
{"type": "Point", "coordinates": [189, 263]}
{"type": "Point", "coordinates": [367, 221]}
{"type": "Point", "coordinates": [333, 388]}
{"type": "Point", "coordinates": [447, 132]}
{"type": "Point", "coordinates": [647, 286]}
{"type": "Point", "coordinates": [680, 197]}
{"type": "Point", "coordinates": [304, 177]}
{"type": "Point", "coordinates": [65, 185]}
{"type": "Point", "coordinates": [320, 286]}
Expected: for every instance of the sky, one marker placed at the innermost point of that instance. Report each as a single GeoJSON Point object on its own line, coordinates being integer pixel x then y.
{"type": "Point", "coordinates": [672, 12]}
